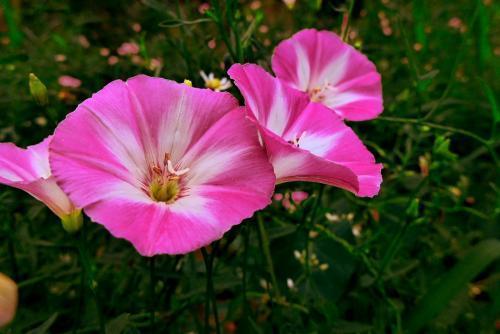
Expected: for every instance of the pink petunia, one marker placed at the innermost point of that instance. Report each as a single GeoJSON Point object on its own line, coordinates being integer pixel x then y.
{"type": "Point", "coordinates": [128, 49]}
{"type": "Point", "coordinates": [304, 141]}
{"type": "Point", "coordinates": [69, 81]}
{"type": "Point", "coordinates": [166, 166]}
{"type": "Point", "coordinates": [331, 72]}
{"type": "Point", "coordinates": [29, 170]}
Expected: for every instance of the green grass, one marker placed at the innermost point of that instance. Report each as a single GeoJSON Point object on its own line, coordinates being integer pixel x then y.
{"type": "Point", "coordinates": [423, 255]}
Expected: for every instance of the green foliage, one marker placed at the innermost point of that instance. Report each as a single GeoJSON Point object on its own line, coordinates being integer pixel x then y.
{"type": "Point", "coordinates": [421, 256]}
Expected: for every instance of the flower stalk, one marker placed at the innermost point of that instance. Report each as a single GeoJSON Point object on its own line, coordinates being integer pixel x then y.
{"type": "Point", "coordinates": [267, 254]}
{"type": "Point", "coordinates": [88, 276]}
{"type": "Point", "coordinates": [210, 291]}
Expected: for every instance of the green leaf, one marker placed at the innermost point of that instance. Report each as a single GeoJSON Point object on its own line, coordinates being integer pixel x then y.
{"type": "Point", "coordinates": [332, 282]}
{"type": "Point", "coordinates": [43, 328]}
{"type": "Point", "coordinates": [13, 25]}
{"type": "Point", "coordinates": [118, 324]}
{"type": "Point", "coordinates": [419, 15]}
{"type": "Point", "coordinates": [492, 100]}
{"type": "Point", "coordinates": [452, 283]}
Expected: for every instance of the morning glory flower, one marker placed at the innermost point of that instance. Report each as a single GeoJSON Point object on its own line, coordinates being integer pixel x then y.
{"type": "Point", "coordinates": [304, 141]}
{"type": "Point", "coordinates": [166, 166]}
{"type": "Point", "coordinates": [331, 72]}
{"type": "Point", "coordinates": [28, 169]}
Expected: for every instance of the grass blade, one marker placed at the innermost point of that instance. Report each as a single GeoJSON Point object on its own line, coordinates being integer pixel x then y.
{"type": "Point", "coordinates": [438, 296]}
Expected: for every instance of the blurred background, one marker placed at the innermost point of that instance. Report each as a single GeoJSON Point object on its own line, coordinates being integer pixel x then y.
{"type": "Point", "coordinates": [420, 257]}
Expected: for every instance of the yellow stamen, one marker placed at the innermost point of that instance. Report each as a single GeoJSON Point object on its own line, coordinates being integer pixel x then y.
{"type": "Point", "coordinates": [214, 83]}
{"type": "Point", "coordinates": [164, 190]}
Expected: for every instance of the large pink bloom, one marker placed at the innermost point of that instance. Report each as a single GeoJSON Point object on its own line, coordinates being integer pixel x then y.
{"type": "Point", "coordinates": [331, 72]}
{"type": "Point", "coordinates": [29, 170]}
{"type": "Point", "coordinates": [304, 141]}
{"type": "Point", "coordinates": [164, 165]}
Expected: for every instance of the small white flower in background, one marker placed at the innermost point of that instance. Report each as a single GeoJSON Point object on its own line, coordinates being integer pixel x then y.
{"type": "Point", "coordinates": [298, 255]}
{"type": "Point", "coordinates": [214, 83]}
{"type": "Point", "coordinates": [356, 230]}
{"type": "Point", "coordinates": [331, 217]}
{"type": "Point", "coordinates": [289, 283]}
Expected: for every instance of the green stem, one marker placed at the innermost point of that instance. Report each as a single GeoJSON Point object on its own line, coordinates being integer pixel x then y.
{"type": "Point", "coordinates": [222, 30]}
{"type": "Point", "coordinates": [12, 251]}
{"type": "Point", "coordinates": [309, 225]}
{"type": "Point", "coordinates": [80, 300]}
{"type": "Point", "coordinates": [246, 239]}
{"type": "Point", "coordinates": [152, 281]}
{"type": "Point", "coordinates": [346, 21]}
{"type": "Point", "coordinates": [15, 34]}
{"type": "Point", "coordinates": [457, 62]}
{"type": "Point", "coordinates": [396, 241]}
{"type": "Point", "coordinates": [90, 282]}
{"type": "Point", "coordinates": [267, 253]}
{"type": "Point", "coordinates": [210, 292]}
{"type": "Point", "coordinates": [466, 133]}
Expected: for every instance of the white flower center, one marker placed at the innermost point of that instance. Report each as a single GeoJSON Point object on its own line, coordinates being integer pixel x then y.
{"type": "Point", "coordinates": [317, 94]}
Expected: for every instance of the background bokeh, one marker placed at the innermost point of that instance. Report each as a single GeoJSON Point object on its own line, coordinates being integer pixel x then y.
{"type": "Point", "coordinates": [422, 256]}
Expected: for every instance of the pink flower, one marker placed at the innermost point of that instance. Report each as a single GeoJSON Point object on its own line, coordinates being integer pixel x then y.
{"type": "Point", "coordinates": [299, 196]}
{"type": "Point", "coordinates": [29, 170]}
{"type": "Point", "coordinates": [278, 196]}
{"type": "Point", "coordinates": [155, 64]}
{"type": "Point", "coordinates": [287, 204]}
{"type": "Point", "coordinates": [60, 58]}
{"type": "Point", "coordinates": [203, 8]}
{"type": "Point", "coordinates": [455, 22]}
{"type": "Point", "coordinates": [83, 41]}
{"type": "Point", "coordinates": [304, 141]}
{"type": "Point", "coordinates": [166, 166]}
{"type": "Point", "coordinates": [331, 72]}
{"type": "Point", "coordinates": [136, 27]}
{"type": "Point", "coordinates": [104, 52]}
{"type": "Point", "coordinates": [69, 81]}
{"type": "Point", "coordinates": [113, 60]}
{"type": "Point", "coordinates": [128, 49]}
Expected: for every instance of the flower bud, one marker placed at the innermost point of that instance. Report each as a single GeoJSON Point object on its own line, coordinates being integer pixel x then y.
{"type": "Point", "coordinates": [8, 300]}
{"type": "Point", "coordinates": [38, 90]}
{"type": "Point", "coordinates": [73, 221]}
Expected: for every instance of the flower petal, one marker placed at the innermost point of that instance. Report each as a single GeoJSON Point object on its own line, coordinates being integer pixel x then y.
{"type": "Point", "coordinates": [113, 138]}
{"type": "Point", "coordinates": [314, 144]}
{"type": "Point", "coordinates": [100, 152]}
{"type": "Point", "coordinates": [327, 136]}
{"type": "Point", "coordinates": [175, 117]}
{"type": "Point", "coordinates": [222, 192]}
{"type": "Point", "coordinates": [28, 169]}
{"type": "Point", "coordinates": [312, 59]}
{"type": "Point", "coordinates": [292, 163]}
{"type": "Point", "coordinates": [275, 105]}
{"type": "Point", "coordinates": [229, 155]}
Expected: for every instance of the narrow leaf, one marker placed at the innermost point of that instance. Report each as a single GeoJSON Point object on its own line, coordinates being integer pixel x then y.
{"type": "Point", "coordinates": [454, 281]}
